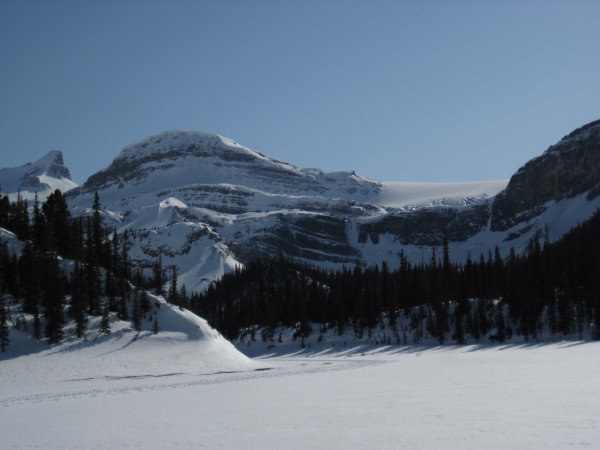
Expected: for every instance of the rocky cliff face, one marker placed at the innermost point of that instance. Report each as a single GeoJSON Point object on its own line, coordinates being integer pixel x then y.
{"type": "Point", "coordinates": [175, 159]}
{"type": "Point", "coordinates": [565, 170]}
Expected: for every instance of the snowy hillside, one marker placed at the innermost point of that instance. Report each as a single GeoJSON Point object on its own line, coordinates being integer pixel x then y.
{"type": "Point", "coordinates": [42, 177]}
{"type": "Point", "coordinates": [186, 344]}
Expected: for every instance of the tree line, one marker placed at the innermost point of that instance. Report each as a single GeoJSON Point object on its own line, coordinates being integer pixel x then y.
{"type": "Point", "coordinates": [552, 288]}
{"type": "Point", "coordinates": [75, 268]}
{"type": "Point", "coordinates": [69, 269]}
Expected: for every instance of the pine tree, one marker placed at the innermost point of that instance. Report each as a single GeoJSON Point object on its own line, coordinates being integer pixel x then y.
{"type": "Point", "coordinates": [58, 221]}
{"type": "Point", "coordinates": [4, 331]}
{"type": "Point", "coordinates": [183, 295]}
{"type": "Point", "coordinates": [125, 269]}
{"type": "Point", "coordinates": [173, 291]}
{"type": "Point", "coordinates": [78, 304]}
{"type": "Point", "coordinates": [4, 267]}
{"type": "Point", "coordinates": [144, 302]}
{"type": "Point", "coordinates": [37, 325]}
{"type": "Point", "coordinates": [157, 272]}
{"type": "Point", "coordinates": [105, 321]}
{"type": "Point", "coordinates": [38, 226]}
{"type": "Point", "coordinates": [115, 254]}
{"type": "Point", "coordinates": [97, 232]}
{"type": "Point", "coordinates": [29, 272]}
{"type": "Point", "coordinates": [136, 313]}
{"type": "Point", "coordinates": [93, 284]}
{"type": "Point", "coordinates": [4, 211]}
{"type": "Point", "coordinates": [18, 218]}
{"type": "Point", "coordinates": [123, 312]}
{"type": "Point", "coordinates": [53, 298]}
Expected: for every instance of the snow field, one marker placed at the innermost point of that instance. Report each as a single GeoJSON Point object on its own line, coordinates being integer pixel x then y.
{"type": "Point", "coordinates": [472, 397]}
{"type": "Point", "coordinates": [399, 194]}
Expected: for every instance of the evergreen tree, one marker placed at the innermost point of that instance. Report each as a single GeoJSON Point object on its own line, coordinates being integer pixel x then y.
{"type": "Point", "coordinates": [158, 278]}
{"type": "Point", "coordinates": [173, 290]}
{"type": "Point", "coordinates": [37, 325]}
{"type": "Point", "coordinates": [123, 312]}
{"type": "Point", "coordinates": [105, 321]}
{"type": "Point", "coordinates": [136, 313]}
{"type": "Point", "coordinates": [4, 331]}
{"type": "Point", "coordinates": [29, 273]}
{"type": "Point", "coordinates": [38, 227]}
{"type": "Point", "coordinates": [8, 271]}
{"type": "Point", "coordinates": [78, 303]}
{"type": "Point", "coordinates": [18, 218]}
{"type": "Point", "coordinates": [97, 232]}
{"type": "Point", "coordinates": [144, 302]}
{"type": "Point", "coordinates": [58, 222]}
{"type": "Point", "coordinates": [125, 269]}
{"type": "Point", "coordinates": [53, 298]}
{"type": "Point", "coordinates": [183, 296]}
{"type": "Point", "coordinates": [4, 211]}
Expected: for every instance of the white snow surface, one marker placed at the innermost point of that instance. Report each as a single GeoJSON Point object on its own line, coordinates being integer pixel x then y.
{"type": "Point", "coordinates": [152, 394]}
{"type": "Point", "coordinates": [180, 138]}
{"type": "Point", "coordinates": [185, 344]}
{"type": "Point", "coordinates": [418, 194]}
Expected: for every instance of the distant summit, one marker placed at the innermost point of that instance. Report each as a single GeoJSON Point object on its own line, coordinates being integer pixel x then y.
{"type": "Point", "coordinates": [182, 141]}
{"type": "Point", "coordinates": [41, 177]}
{"type": "Point", "coordinates": [175, 159]}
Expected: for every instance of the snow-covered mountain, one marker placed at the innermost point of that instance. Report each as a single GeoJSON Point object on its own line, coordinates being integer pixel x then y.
{"type": "Point", "coordinates": [185, 344]}
{"type": "Point", "coordinates": [547, 196]}
{"type": "Point", "coordinates": [206, 204]}
{"type": "Point", "coordinates": [42, 177]}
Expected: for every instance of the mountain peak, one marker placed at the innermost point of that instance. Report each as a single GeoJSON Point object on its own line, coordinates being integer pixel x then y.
{"type": "Point", "coordinates": [182, 142]}
{"type": "Point", "coordinates": [42, 176]}
{"type": "Point", "coordinates": [589, 132]}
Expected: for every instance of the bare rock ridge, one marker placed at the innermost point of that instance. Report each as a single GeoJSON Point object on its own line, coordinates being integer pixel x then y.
{"type": "Point", "coordinates": [569, 168]}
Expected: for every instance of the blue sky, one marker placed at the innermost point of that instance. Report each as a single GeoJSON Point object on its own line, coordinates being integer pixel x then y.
{"type": "Point", "coordinates": [396, 90]}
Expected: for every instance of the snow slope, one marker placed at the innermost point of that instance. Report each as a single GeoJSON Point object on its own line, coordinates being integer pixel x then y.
{"type": "Point", "coordinates": [471, 397]}
{"type": "Point", "coordinates": [186, 344]}
{"type": "Point", "coordinates": [418, 195]}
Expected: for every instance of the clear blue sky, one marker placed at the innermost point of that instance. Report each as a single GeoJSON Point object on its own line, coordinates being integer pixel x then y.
{"type": "Point", "coordinates": [396, 90]}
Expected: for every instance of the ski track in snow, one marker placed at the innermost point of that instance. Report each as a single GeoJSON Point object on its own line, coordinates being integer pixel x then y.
{"type": "Point", "coordinates": [301, 366]}
{"type": "Point", "coordinates": [504, 396]}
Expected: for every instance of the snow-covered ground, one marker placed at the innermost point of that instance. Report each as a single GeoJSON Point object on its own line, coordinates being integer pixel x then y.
{"type": "Point", "coordinates": [330, 397]}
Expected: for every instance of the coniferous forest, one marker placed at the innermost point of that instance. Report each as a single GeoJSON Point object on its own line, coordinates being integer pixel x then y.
{"type": "Point", "coordinates": [69, 270]}
{"type": "Point", "coordinates": [554, 288]}
{"type": "Point", "coordinates": [72, 269]}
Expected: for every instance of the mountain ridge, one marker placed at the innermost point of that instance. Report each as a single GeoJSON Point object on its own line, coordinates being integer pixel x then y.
{"type": "Point", "coordinates": [207, 204]}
